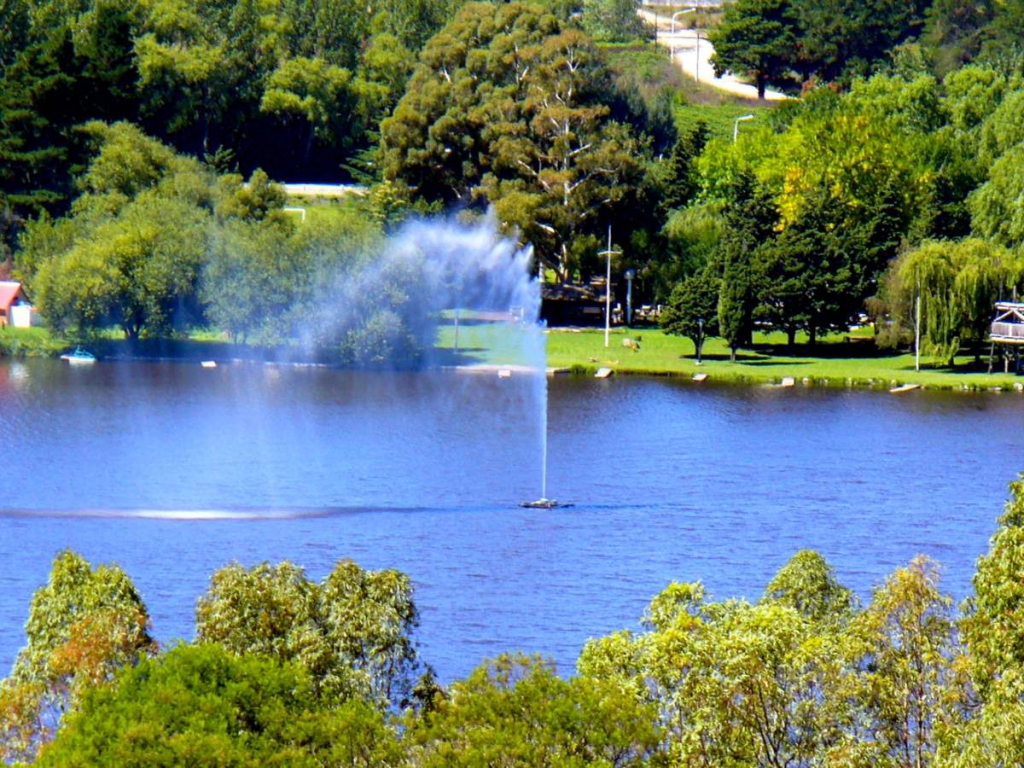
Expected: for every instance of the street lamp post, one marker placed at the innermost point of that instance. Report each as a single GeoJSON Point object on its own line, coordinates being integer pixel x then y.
{"type": "Point", "coordinates": [696, 61]}
{"type": "Point", "coordinates": [736, 126]}
{"type": "Point", "coordinates": [630, 274]}
{"type": "Point", "coordinates": [700, 338]}
{"type": "Point", "coordinates": [608, 288]}
{"type": "Point", "coordinates": [674, 17]}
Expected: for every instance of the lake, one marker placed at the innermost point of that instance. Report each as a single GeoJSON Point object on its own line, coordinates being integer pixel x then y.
{"type": "Point", "coordinates": [173, 470]}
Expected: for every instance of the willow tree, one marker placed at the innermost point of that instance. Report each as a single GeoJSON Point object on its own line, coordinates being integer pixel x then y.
{"type": "Point", "coordinates": [995, 212]}
{"type": "Point", "coordinates": [928, 273]}
{"type": "Point", "coordinates": [958, 284]}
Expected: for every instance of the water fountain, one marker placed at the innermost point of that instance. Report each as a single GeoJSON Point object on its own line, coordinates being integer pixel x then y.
{"type": "Point", "coordinates": [472, 270]}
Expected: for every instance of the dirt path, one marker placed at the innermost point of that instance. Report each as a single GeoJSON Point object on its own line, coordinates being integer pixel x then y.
{"type": "Point", "coordinates": [692, 51]}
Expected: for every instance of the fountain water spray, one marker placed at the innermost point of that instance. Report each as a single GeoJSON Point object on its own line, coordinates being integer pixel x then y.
{"type": "Point", "coordinates": [429, 267]}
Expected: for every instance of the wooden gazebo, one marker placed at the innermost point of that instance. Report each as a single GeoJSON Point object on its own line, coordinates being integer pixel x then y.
{"type": "Point", "coordinates": [1008, 326]}
{"type": "Point", "coordinates": [1008, 332]}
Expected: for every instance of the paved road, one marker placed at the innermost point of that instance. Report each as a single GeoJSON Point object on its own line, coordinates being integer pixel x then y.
{"type": "Point", "coordinates": [692, 52]}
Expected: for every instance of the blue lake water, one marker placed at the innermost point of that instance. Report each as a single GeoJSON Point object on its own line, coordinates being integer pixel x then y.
{"type": "Point", "coordinates": [172, 471]}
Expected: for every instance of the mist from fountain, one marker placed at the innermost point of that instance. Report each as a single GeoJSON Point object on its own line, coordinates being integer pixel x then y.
{"type": "Point", "coordinates": [439, 269]}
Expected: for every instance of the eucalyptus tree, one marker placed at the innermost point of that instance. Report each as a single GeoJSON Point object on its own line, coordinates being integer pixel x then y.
{"type": "Point", "coordinates": [514, 710]}
{"type": "Point", "coordinates": [201, 705]}
{"type": "Point", "coordinates": [84, 626]}
{"type": "Point", "coordinates": [910, 686]}
{"type": "Point", "coordinates": [507, 107]}
{"type": "Point", "coordinates": [352, 632]}
{"type": "Point", "coordinates": [991, 623]}
{"type": "Point", "coordinates": [734, 683]}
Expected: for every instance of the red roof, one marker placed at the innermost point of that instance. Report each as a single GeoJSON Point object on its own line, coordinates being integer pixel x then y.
{"type": "Point", "coordinates": [9, 291]}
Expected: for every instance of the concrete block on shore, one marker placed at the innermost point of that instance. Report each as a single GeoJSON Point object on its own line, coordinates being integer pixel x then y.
{"type": "Point", "coordinates": [699, 377]}
{"type": "Point", "coordinates": [904, 388]}
{"type": "Point", "coordinates": [603, 373]}
{"type": "Point", "coordinates": [788, 381]}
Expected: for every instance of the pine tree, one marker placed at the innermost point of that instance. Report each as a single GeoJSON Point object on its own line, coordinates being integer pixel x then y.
{"type": "Point", "coordinates": [682, 185]}
{"type": "Point", "coordinates": [38, 100]}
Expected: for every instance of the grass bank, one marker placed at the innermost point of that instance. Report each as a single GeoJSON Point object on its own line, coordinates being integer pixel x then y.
{"type": "Point", "coordinates": [835, 362]}
{"type": "Point", "coordinates": [29, 342]}
{"type": "Point", "coordinates": [839, 361]}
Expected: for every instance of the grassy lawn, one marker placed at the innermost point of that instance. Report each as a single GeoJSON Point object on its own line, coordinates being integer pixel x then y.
{"type": "Point", "coordinates": [838, 363]}
{"type": "Point", "coordinates": [29, 342]}
{"type": "Point", "coordinates": [719, 117]}
{"type": "Point", "coordinates": [481, 342]}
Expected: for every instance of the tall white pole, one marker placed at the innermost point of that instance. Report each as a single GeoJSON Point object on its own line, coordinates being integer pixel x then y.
{"type": "Point", "coordinates": [608, 290]}
{"type": "Point", "coordinates": [917, 333]}
{"type": "Point", "coordinates": [676, 15]}
{"type": "Point", "coordinates": [696, 66]}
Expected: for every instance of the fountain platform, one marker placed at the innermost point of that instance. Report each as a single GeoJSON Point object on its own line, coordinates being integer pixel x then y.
{"type": "Point", "coordinates": [544, 504]}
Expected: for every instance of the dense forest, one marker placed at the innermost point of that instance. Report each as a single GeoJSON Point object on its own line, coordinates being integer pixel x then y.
{"type": "Point", "coordinates": [285, 670]}
{"type": "Point", "coordinates": [138, 141]}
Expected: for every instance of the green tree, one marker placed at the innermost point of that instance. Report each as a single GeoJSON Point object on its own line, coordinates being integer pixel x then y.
{"type": "Point", "coordinates": [842, 39]}
{"type": "Point", "coordinates": [201, 705]}
{"type": "Point", "coordinates": [352, 632]}
{"type": "Point", "coordinates": [682, 184]}
{"type": "Point", "coordinates": [369, 618]}
{"type": "Point", "coordinates": [929, 272]}
{"type": "Point", "coordinates": [149, 258]}
{"type": "Point", "coordinates": [507, 107]}
{"type": "Point", "coordinates": [251, 278]}
{"type": "Point", "coordinates": [735, 684]}
{"type": "Point", "coordinates": [910, 683]}
{"type": "Point", "coordinates": [958, 283]}
{"type": "Point", "coordinates": [83, 627]}
{"type": "Point", "coordinates": [994, 615]}
{"type": "Point", "coordinates": [182, 60]}
{"type": "Point", "coordinates": [38, 108]}
{"type": "Point", "coordinates": [994, 213]}
{"type": "Point", "coordinates": [614, 21]}
{"type": "Point", "coordinates": [14, 30]}
{"type": "Point", "coordinates": [808, 584]}
{"type": "Point", "coordinates": [692, 309]}
{"type": "Point", "coordinates": [310, 97]}
{"type": "Point", "coordinates": [749, 222]}
{"type": "Point", "coordinates": [756, 38]}
{"type": "Point", "coordinates": [516, 711]}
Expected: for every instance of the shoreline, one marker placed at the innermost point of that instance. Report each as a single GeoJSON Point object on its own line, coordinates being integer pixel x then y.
{"type": "Point", "coordinates": [845, 362]}
{"type": "Point", "coordinates": [840, 364]}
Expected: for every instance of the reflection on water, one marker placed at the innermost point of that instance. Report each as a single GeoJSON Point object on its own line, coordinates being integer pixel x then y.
{"type": "Point", "coordinates": [173, 470]}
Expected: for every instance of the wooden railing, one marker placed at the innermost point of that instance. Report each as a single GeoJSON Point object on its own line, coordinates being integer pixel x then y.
{"type": "Point", "coordinates": [1007, 330]}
